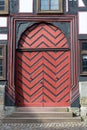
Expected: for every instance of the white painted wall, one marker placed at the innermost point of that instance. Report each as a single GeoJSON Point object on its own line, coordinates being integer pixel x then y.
{"type": "Point", "coordinates": [25, 6]}
{"type": "Point", "coordinates": [3, 21]}
{"type": "Point", "coordinates": [67, 6]}
{"type": "Point", "coordinates": [80, 3]}
{"type": "Point", "coordinates": [3, 36]}
{"type": "Point", "coordinates": [82, 22]}
{"type": "Point", "coordinates": [83, 89]}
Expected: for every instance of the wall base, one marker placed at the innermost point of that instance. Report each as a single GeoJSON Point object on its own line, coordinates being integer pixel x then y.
{"type": "Point", "coordinates": [9, 110]}
{"type": "Point", "coordinates": [75, 110]}
{"type": "Point", "coordinates": [83, 98]}
{"type": "Point", "coordinates": [2, 96]}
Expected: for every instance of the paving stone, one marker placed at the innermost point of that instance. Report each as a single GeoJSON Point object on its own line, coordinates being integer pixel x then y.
{"type": "Point", "coordinates": [44, 126]}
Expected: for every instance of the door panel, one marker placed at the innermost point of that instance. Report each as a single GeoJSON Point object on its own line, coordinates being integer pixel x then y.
{"type": "Point", "coordinates": [22, 78]}
{"type": "Point", "coordinates": [43, 78]}
{"type": "Point", "coordinates": [36, 78]}
{"type": "Point", "coordinates": [49, 78]}
{"type": "Point", "coordinates": [57, 78]}
{"type": "Point", "coordinates": [63, 78]}
{"type": "Point", "coordinates": [29, 74]}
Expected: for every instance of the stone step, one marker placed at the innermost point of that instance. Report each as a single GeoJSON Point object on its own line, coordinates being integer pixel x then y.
{"type": "Point", "coordinates": [42, 109]}
{"type": "Point", "coordinates": [40, 120]}
{"type": "Point", "coordinates": [42, 114]}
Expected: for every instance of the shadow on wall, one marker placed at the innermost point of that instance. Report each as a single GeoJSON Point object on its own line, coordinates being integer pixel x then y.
{"type": "Point", "coordinates": [9, 97]}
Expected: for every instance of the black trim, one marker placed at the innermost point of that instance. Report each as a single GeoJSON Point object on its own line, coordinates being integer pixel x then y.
{"type": "Point", "coordinates": [82, 9]}
{"type": "Point", "coordinates": [85, 2]}
{"type": "Point", "coordinates": [82, 37]}
{"type": "Point", "coordinates": [42, 49]}
{"type": "Point", "coordinates": [82, 52]}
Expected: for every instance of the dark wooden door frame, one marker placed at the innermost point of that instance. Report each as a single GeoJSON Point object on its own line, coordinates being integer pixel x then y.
{"type": "Point", "coordinates": [72, 19]}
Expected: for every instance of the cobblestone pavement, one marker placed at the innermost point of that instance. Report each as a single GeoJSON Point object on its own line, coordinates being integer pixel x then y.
{"type": "Point", "coordinates": [44, 126]}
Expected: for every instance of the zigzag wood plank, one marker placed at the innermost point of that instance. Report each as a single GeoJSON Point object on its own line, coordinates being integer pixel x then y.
{"type": "Point", "coordinates": [43, 34]}
{"type": "Point", "coordinates": [38, 72]}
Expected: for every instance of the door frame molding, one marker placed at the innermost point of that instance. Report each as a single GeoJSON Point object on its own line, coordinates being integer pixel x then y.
{"type": "Point", "coordinates": [72, 19]}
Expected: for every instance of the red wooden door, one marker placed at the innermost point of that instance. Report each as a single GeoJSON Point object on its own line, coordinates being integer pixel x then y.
{"type": "Point", "coordinates": [43, 67]}
{"type": "Point", "coordinates": [43, 78]}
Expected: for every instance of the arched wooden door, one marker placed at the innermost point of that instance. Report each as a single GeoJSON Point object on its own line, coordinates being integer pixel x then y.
{"type": "Point", "coordinates": [43, 67]}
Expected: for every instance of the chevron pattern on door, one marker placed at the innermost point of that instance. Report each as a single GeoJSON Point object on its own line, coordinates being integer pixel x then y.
{"type": "Point", "coordinates": [29, 73]}
{"type": "Point", "coordinates": [43, 76]}
{"type": "Point", "coordinates": [56, 78]}
{"type": "Point", "coordinates": [43, 36]}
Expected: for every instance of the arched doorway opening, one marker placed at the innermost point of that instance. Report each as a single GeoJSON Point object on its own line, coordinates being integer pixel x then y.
{"type": "Point", "coordinates": [43, 67]}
